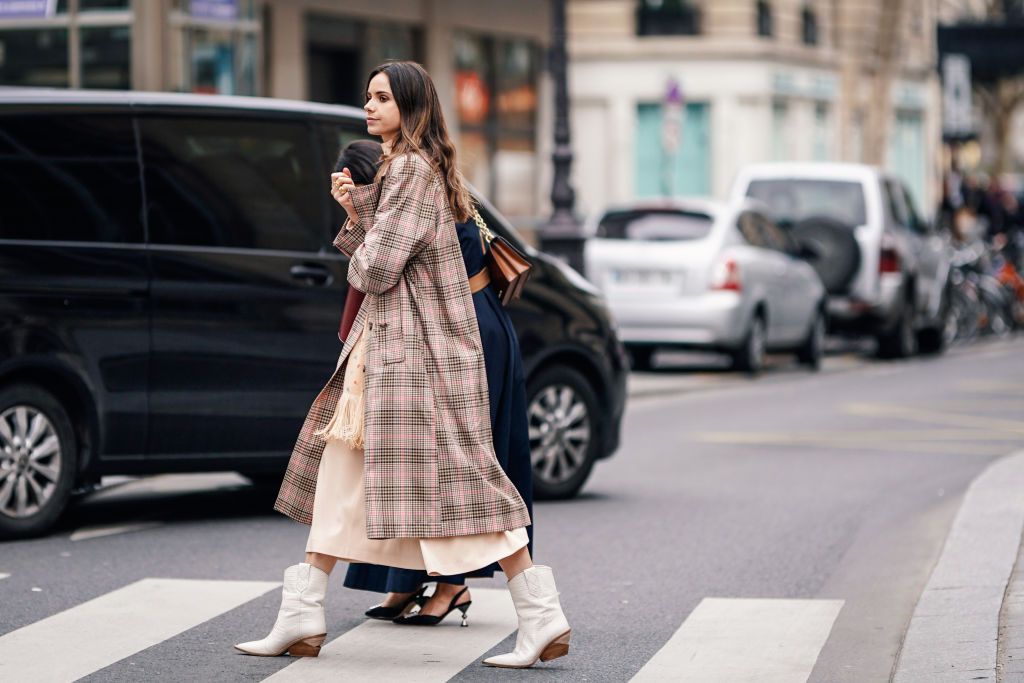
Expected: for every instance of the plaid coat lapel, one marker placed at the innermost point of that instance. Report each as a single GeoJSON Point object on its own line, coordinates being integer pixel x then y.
{"type": "Point", "coordinates": [430, 468]}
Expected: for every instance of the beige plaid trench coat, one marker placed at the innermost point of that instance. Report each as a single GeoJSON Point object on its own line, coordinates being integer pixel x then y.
{"type": "Point", "coordinates": [430, 468]}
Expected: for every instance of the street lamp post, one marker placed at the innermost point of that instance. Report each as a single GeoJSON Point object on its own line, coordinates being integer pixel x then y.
{"type": "Point", "coordinates": [561, 235]}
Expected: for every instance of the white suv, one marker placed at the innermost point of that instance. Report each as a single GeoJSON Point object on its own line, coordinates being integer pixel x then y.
{"type": "Point", "coordinates": [885, 269]}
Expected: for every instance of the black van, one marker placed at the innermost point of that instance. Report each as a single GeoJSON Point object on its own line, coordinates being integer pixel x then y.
{"type": "Point", "coordinates": [169, 297]}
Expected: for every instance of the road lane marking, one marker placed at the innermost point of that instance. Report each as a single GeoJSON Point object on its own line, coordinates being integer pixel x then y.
{"type": "Point", "coordinates": [933, 417]}
{"type": "Point", "coordinates": [78, 641]}
{"type": "Point", "coordinates": [885, 436]}
{"type": "Point", "coordinates": [101, 531]}
{"type": "Point", "coordinates": [3, 576]}
{"type": "Point", "coordinates": [989, 386]}
{"type": "Point", "coordinates": [380, 651]}
{"type": "Point", "coordinates": [734, 640]}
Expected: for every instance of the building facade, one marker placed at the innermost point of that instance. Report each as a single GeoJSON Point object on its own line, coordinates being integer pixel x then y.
{"type": "Point", "coordinates": [486, 57]}
{"type": "Point", "coordinates": [672, 97]}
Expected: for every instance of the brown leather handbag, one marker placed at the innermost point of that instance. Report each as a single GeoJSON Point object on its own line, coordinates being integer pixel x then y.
{"type": "Point", "coordinates": [507, 265]}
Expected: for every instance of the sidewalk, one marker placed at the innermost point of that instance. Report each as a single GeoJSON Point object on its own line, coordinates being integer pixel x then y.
{"type": "Point", "coordinates": [969, 621]}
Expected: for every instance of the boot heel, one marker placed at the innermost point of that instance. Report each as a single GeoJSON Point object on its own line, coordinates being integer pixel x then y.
{"type": "Point", "coordinates": [307, 647]}
{"type": "Point", "coordinates": [559, 647]}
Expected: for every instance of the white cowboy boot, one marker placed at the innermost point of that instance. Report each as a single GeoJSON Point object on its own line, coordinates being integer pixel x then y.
{"type": "Point", "coordinates": [543, 629]}
{"type": "Point", "coordinates": [301, 627]}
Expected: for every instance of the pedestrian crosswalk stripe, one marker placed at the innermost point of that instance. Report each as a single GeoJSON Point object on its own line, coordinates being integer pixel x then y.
{"type": "Point", "coordinates": [745, 640]}
{"type": "Point", "coordinates": [381, 651]}
{"type": "Point", "coordinates": [3, 576]}
{"type": "Point", "coordinates": [78, 641]}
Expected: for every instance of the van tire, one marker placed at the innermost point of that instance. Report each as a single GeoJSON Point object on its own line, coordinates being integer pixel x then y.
{"type": "Point", "coordinates": [42, 413]}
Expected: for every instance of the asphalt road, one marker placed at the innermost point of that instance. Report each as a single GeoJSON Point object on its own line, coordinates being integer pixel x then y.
{"type": "Point", "coordinates": [797, 514]}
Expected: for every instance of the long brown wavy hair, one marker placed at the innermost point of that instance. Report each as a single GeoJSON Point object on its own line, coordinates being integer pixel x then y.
{"type": "Point", "coordinates": [423, 130]}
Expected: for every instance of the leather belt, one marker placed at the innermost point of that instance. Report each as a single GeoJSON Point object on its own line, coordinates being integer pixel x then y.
{"type": "Point", "coordinates": [479, 281]}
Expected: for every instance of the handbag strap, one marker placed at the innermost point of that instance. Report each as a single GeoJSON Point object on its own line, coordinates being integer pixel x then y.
{"type": "Point", "coordinates": [486, 236]}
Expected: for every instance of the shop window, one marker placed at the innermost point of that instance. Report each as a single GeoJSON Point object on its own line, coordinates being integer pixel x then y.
{"type": "Point", "coordinates": [496, 103]}
{"type": "Point", "coordinates": [104, 5]}
{"type": "Point", "coordinates": [106, 57]}
{"type": "Point", "coordinates": [764, 19]}
{"type": "Point", "coordinates": [35, 57]}
{"type": "Point", "coordinates": [343, 51]}
{"type": "Point", "coordinates": [809, 21]}
{"type": "Point", "coordinates": [247, 184]}
{"type": "Point", "coordinates": [69, 178]}
{"type": "Point", "coordinates": [40, 49]}
{"type": "Point", "coordinates": [667, 18]}
{"type": "Point", "coordinates": [217, 41]}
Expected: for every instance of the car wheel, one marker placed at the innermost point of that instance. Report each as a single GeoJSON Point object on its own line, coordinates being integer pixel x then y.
{"type": "Point", "coordinates": [37, 461]}
{"type": "Point", "coordinates": [901, 341]}
{"type": "Point", "coordinates": [812, 350]}
{"type": "Point", "coordinates": [933, 340]}
{"type": "Point", "coordinates": [749, 357]}
{"type": "Point", "coordinates": [563, 417]}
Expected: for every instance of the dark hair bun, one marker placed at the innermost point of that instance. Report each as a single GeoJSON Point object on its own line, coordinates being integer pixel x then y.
{"type": "Point", "coordinates": [362, 158]}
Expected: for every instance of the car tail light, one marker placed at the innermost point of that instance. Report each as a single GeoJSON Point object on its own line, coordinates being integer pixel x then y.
{"type": "Point", "coordinates": [888, 258]}
{"type": "Point", "coordinates": [726, 276]}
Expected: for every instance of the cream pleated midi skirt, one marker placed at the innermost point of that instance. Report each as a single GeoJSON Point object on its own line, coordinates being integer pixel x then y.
{"type": "Point", "coordinates": [339, 506]}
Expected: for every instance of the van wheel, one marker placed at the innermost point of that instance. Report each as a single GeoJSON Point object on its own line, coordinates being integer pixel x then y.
{"type": "Point", "coordinates": [562, 415]}
{"type": "Point", "coordinates": [901, 341]}
{"type": "Point", "coordinates": [749, 358]}
{"type": "Point", "coordinates": [812, 350]}
{"type": "Point", "coordinates": [38, 455]}
{"type": "Point", "coordinates": [933, 340]}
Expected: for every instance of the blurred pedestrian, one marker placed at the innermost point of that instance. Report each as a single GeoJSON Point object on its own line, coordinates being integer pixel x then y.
{"type": "Point", "coordinates": [395, 463]}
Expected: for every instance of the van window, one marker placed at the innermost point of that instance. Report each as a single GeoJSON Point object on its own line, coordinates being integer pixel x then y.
{"type": "Point", "coordinates": [655, 225]}
{"type": "Point", "coordinates": [69, 177]}
{"type": "Point", "coordinates": [791, 200]}
{"type": "Point", "coordinates": [333, 139]}
{"type": "Point", "coordinates": [238, 183]}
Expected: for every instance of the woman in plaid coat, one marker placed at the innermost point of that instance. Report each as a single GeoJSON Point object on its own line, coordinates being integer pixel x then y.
{"type": "Point", "coordinates": [395, 464]}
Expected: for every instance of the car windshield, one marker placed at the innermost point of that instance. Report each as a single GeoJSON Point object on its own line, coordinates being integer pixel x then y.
{"type": "Point", "coordinates": [790, 201]}
{"type": "Point", "coordinates": [655, 225]}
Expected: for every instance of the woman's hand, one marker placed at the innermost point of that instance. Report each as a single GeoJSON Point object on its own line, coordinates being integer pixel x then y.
{"type": "Point", "coordinates": [341, 185]}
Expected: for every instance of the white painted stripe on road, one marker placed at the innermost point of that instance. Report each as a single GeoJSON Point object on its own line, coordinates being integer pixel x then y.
{"type": "Point", "coordinates": [745, 640]}
{"type": "Point", "coordinates": [381, 651]}
{"type": "Point", "coordinates": [3, 576]}
{"type": "Point", "coordinates": [100, 531]}
{"type": "Point", "coordinates": [97, 633]}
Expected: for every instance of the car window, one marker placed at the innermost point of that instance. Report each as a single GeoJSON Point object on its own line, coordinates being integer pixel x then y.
{"type": "Point", "coordinates": [333, 138]}
{"type": "Point", "coordinates": [655, 225]}
{"type": "Point", "coordinates": [917, 224]}
{"type": "Point", "coordinates": [791, 200]}
{"type": "Point", "coordinates": [239, 183]}
{"type": "Point", "coordinates": [749, 227]}
{"type": "Point", "coordinates": [775, 237]}
{"type": "Point", "coordinates": [895, 203]}
{"type": "Point", "coordinates": [71, 177]}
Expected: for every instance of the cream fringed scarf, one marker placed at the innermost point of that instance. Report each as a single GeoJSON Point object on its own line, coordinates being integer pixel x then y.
{"type": "Point", "coordinates": [347, 423]}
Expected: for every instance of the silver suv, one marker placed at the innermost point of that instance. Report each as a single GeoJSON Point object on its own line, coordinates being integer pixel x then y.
{"type": "Point", "coordinates": [885, 269]}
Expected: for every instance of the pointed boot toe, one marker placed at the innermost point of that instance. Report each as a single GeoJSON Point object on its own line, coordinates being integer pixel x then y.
{"type": "Point", "coordinates": [543, 629]}
{"type": "Point", "coordinates": [301, 625]}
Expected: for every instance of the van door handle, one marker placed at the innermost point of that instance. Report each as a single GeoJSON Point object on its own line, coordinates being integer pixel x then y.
{"type": "Point", "coordinates": [312, 274]}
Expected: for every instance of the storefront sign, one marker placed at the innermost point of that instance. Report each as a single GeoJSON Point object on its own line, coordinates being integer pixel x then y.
{"type": "Point", "coordinates": [222, 10]}
{"type": "Point", "coordinates": [27, 9]}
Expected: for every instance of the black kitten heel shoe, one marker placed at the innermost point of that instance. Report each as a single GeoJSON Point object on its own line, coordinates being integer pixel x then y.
{"type": "Point", "coordinates": [433, 619]}
{"type": "Point", "coordinates": [391, 613]}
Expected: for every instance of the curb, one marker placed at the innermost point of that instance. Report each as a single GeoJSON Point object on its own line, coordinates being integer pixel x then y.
{"type": "Point", "coordinates": [954, 631]}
